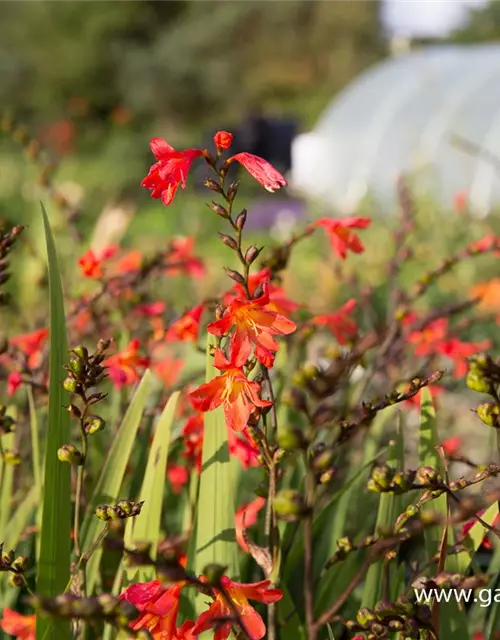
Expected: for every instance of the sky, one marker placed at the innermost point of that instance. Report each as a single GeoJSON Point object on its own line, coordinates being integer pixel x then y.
{"type": "Point", "coordinates": [423, 18]}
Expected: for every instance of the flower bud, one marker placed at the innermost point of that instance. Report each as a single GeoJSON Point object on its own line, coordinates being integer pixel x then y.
{"type": "Point", "coordinates": [480, 384]}
{"type": "Point", "coordinates": [228, 241]}
{"type": "Point", "coordinates": [291, 438]}
{"type": "Point", "coordinates": [219, 210]}
{"type": "Point", "coordinates": [20, 563]}
{"type": "Point", "coordinates": [252, 253]}
{"type": "Point", "coordinates": [326, 476]}
{"type": "Point", "coordinates": [76, 364]}
{"type": "Point", "coordinates": [70, 454]}
{"type": "Point", "coordinates": [234, 275]}
{"type": "Point", "coordinates": [70, 385]}
{"type": "Point", "coordinates": [213, 573]}
{"type": "Point", "coordinates": [241, 218]}
{"type": "Point", "coordinates": [101, 512]}
{"type": "Point", "coordinates": [323, 459]}
{"type": "Point", "coordinates": [289, 504]}
{"type": "Point", "coordinates": [74, 411]}
{"type": "Point", "coordinates": [382, 476]}
{"type": "Point", "coordinates": [489, 413]}
{"type": "Point", "coordinates": [16, 580]}
{"type": "Point", "coordinates": [94, 424]}
{"type": "Point", "coordinates": [8, 557]}
{"type": "Point", "coordinates": [427, 475]}
{"type": "Point", "coordinates": [11, 457]}
{"type": "Point", "coordinates": [212, 185]}
{"type": "Point", "coordinates": [365, 616]}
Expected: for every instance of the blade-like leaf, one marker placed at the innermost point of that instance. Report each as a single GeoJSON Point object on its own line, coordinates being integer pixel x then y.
{"type": "Point", "coordinates": [55, 541]}
{"type": "Point", "coordinates": [111, 478]}
{"type": "Point", "coordinates": [452, 616]}
{"type": "Point", "coordinates": [387, 512]}
{"type": "Point", "coordinates": [215, 535]}
{"type": "Point", "coordinates": [147, 526]}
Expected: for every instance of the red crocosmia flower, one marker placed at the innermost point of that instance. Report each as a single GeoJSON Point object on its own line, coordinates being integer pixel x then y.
{"type": "Point", "coordinates": [21, 626]}
{"type": "Point", "coordinates": [14, 381]}
{"type": "Point", "coordinates": [278, 300]}
{"type": "Point", "coordinates": [168, 370]}
{"type": "Point", "coordinates": [245, 517]}
{"type": "Point", "coordinates": [425, 341]}
{"type": "Point", "coordinates": [341, 235]}
{"type": "Point", "coordinates": [187, 327]}
{"type": "Point", "coordinates": [223, 139]}
{"type": "Point", "coordinates": [238, 396]}
{"type": "Point", "coordinates": [169, 171]}
{"type": "Point", "coordinates": [90, 263]}
{"type": "Point", "coordinates": [123, 367]}
{"type": "Point", "coordinates": [178, 476]}
{"type": "Point", "coordinates": [452, 445]}
{"type": "Point", "coordinates": [239, 594]}
{"type": "Point", "coordinates": [459, 351]}
{"type": "Point", "coordinates": [485, 244]}
{"type": "Point", "coordinates": [467, 526]}
{"type": "Point", "coordinates": [31, 344]}
{"type": "Point", "coordinates": [158, 606]}
{"type": "Point", "coordinates": [243, 448]}
{"type": "Point", "coordinates": [181, 255]}
{"type": "Point", "coordinates": [339, 323]}
{"type": "Point", "coordinates": [254, 324]}
{"type": "Point", "coordinates": [192, 437]}
{"type": "Point", "coordinates": [150, 309]}
{"type": "Point", "coordinates": [261, 170]}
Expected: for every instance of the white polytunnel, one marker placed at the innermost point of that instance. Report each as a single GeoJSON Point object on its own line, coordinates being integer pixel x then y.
{"type": "Point", "coordinates": [433, 113]}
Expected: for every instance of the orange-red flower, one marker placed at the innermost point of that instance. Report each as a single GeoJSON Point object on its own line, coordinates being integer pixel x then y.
{"type": "Point", "coordinates": [245, 517]}
{"type": "Point", "coordinates": [243, 447]}
{"type": "Point", "coordinates": [16, 624]}
{"type": "Point", "coordinates": [123, 367]}
{"type": "Point", "coordinates": [452, 445]}
{"type": "Point", "coordinates": [254, 325]}
{"type": "Point", "coordinates": [192, 437]}
{"type": "Point", "coordinates": [158, 606]}
{"type": "Point", "coordinates": [425, 340]}
{"type": "Point", "coordinates": [339, 323]}
{"type": "Point", "coordinates": [14, 381]}
{"type": "Point", "coordinates": [341, 235]}
{"type": "Point", "coordinates": [187, 327]}
{"type": "Point", "coordinates": [459, 352]}
{"type": "Point", "coordinates": [178, 477]}
{"type": "Point", "coordinates": [238, 396]}
{"type": "Point", "coordinates": [223, 139]}
{"type": "Point", "coordinates": [169, 171]}
{"type": "Point", "coordinates": [31, 344]}
{"type": "Point", "coordinates": [182, 258]}
{"type": "Point", "coordinates": [150, 309]}
{"type": "Point", "coordinates": [167, 369]}
{"type": "Point", "coordinates": [240, 594]}
{"type": "Point", "coordinates": [265, 174]}
{"type": "Point", "coordinates": [467, 526]}
{"type": "Point", "coordinates": [90, 263]}
{"type": "Point", "coordinates": [278, 300]}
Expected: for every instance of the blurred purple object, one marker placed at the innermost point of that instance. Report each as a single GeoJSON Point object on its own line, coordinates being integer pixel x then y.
{"type": "Point", "coordinates": [266, 213]}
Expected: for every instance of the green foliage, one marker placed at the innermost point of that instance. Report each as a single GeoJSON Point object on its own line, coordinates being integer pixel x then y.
{"type": "Point", "coordinates": [54, 559]}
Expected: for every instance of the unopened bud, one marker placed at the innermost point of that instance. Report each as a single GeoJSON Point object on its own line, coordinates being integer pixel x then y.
{"type": "Point", "coordinates": [94, 424]}
{"type": "Point", "coordinates": [213, 573]}
{"type": "Point", "coordinates": [234, 275]}
{"type": "Point", "coordinates": [232, 190]}
{"type": "Point", "coordinates": [427, 475]}
{"type": "Point", "coordinates": [289, 504]}
{"type": "Point", "coordinates": [74, 411]}
{"type": "Point", "coordinates": [228, 241]}
{"type": "Point", "coordinates": [11, 457]}
{"type": "Point", "coordinates": [365, 616]}
{"type": "Point", "coordinates": [20, 563]}
{"type": "Point", "coordinates": [70, 385]}
{"type": "Point", "coordinates": [241, 218]}
{"type": "Point", "coordinates": [76, 364]}
{"type": "Point", "coordinates": [480, 384]}
{"type": "Point", "coordinates": [219, 210]}
{"type": "Point", "coordinates": [16, 580]}
{"type": "Point", "coordinates": [322, 459]}
{"type": "Point", "coordinates": [70, 454]}
{"type": "Point", "coordinates": [382, 477]}
{"type": "Point", "coordinates": [252, 253]}
{"type": "Point", "coordinates": [291, 438]}
{"type": "Point", "coordinates": [212, 185]}
{"type": "Point", "coordinates": [489, 413]}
